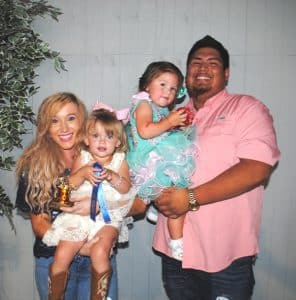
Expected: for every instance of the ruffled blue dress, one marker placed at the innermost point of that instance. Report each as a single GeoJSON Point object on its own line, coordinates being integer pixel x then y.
{"type": "Point", "coordinates": [160, 162]}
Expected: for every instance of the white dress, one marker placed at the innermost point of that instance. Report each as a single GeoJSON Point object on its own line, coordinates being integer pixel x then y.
{"type": "Point", "coordinates": [74, 227]}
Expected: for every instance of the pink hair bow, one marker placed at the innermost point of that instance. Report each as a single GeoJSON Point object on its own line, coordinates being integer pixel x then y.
{"type": "Point", "coordinates": [121, 115]}
{"type": "Point", "coordinates": [141, 96]}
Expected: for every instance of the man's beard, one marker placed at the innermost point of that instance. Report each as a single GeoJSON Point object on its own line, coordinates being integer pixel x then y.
{"type": "Point", "coordinates": [195, 91]}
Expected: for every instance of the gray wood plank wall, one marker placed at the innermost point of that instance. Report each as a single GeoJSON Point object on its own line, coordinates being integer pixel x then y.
{"type": "Point", "coordinates": [107, 45]}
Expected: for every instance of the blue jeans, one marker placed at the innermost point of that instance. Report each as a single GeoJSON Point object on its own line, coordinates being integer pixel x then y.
{"type": "Point", "coordinates": [78, 287]}
{"type": "Point", "coordinates": [236, 282]}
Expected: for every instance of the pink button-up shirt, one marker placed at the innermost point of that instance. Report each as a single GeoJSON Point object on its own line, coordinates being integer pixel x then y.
{"type": "Point", "coordinates": [229, 127]}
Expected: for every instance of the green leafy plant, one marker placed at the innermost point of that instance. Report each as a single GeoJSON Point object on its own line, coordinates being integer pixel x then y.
{"type": "Point", "coordinates": [21, 51]}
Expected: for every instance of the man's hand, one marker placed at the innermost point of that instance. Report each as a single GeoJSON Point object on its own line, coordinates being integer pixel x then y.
{"type": "Point", "coordinates": [173, 202]}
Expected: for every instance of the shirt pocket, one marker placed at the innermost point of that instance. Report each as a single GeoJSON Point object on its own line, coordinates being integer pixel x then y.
{"type": "Point", "coordinates": [218, 127]}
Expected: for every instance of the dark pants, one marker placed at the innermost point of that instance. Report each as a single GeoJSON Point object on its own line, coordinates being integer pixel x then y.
{"type": "Point", "coordinates": [236, 282]}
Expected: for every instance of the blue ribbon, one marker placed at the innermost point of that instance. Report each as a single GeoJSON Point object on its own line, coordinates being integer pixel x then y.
{"type": "Point", "coordinates": [103, 205]}
{"type": "Point", "coordinates": [98, 196]}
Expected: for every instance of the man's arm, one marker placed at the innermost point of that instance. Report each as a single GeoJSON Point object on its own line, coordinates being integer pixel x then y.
{"type": "Point", "coordinates": [138, 207]}
{"type": "Point", "coordinates": [240, 178]}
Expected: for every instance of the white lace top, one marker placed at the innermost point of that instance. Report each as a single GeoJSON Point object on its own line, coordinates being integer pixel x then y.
{"type": "Point", "coordinates": [78, 228]}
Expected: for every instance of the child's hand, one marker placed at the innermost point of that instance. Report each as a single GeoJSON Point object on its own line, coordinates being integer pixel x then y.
{"type": "Point", "coordinates": [90, 173]}
{"type": "Point", "coordinates": [117, 181]}
{"type": "Point", "coordinates": [189, 115]}
{"type": "Point", "coordinates": [106, 174]}
{"type": "Point", "coordinates": [177, 117]}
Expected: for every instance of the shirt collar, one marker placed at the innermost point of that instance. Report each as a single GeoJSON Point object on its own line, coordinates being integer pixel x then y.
{"type": "Point", "coordinates": [211, 102]}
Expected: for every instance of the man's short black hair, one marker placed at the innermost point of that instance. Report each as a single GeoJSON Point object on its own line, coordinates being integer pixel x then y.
{"type": "Point", "coordinates": [209, 42]}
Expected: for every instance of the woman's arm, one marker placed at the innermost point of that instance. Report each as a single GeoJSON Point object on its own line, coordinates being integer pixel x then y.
{"type": "Point", "coordinates": [40, 224]}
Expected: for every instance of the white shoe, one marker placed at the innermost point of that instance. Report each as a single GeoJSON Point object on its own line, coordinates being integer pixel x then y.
{"type": "Point", "coordinates": [177, 249]}
{"type": "Point", "coordinates": [152, 214]}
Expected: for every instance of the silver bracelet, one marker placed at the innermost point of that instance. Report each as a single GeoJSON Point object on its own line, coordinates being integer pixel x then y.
{"type": "Point", "coordinates": [118, 183]}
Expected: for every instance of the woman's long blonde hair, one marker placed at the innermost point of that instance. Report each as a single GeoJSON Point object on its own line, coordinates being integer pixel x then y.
{"type": "Point", "coordinates": [41, 163]}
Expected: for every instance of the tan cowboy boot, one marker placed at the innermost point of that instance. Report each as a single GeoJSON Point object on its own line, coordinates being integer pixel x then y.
{"type": "Point", "coordinates": [99, 284]}
{"type": "Point", "coordinates": [57, 285]}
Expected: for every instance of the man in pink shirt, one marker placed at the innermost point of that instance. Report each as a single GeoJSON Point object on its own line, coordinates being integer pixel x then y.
{"type": "Point", "coordinates": [237, 152]}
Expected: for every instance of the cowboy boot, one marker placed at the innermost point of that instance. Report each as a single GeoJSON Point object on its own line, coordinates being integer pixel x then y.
{"type": "Point", "coordinates": [57, 285]}
{"type": "Point", "coordinates": [99, 284]}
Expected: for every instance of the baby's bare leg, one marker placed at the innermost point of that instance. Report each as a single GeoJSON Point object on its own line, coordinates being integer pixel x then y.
{"type": "Point", "coordinates": [175, 227]}
{"type": "Point", "coordinates": [65, 252]}
{"type": "Point", "coordinates": [101, 250]}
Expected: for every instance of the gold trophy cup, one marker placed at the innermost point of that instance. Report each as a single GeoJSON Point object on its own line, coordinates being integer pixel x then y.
{"type": "Point", "coordinates": [62, 194]}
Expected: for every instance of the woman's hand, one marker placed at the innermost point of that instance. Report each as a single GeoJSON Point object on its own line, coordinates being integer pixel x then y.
{"type": "Point", "coordinates": [81, 205]}
{"type": "Point", "coordinates": [85, 249]}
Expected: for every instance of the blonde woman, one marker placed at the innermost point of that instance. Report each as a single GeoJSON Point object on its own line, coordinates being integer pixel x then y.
{"type": "Point", "coordinates": [60, 127]}
{"type": "Point", "coordinates": [110, 186]}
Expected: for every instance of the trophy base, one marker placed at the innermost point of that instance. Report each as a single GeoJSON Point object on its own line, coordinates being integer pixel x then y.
{"type": "Point", "coordinates": [58, 205]}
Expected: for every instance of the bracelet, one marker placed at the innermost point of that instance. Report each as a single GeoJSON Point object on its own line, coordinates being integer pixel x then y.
{"type": "Point", "coordinates": [118, 183]}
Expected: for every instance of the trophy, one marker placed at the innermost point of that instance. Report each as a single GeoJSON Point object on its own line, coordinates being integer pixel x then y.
{"type": "Point", "coordinates": [62, 194]}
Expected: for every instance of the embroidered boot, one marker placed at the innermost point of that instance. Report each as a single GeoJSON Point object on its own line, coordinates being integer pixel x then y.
{"type": "Point", "coordinates": [57, 285]}
{"type": "Point", "coordinates": [99, 284]}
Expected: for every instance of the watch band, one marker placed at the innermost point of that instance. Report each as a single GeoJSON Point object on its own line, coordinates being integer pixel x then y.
{"type": "Point", "coordinates": [193, 204]}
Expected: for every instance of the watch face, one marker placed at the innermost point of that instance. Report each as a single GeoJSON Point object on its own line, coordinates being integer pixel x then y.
{"type": "Point", "coordinates": [193, 206]}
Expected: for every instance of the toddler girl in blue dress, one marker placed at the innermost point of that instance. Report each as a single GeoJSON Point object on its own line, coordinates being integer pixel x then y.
{"type": "Point", "coordinates": [161, 148]}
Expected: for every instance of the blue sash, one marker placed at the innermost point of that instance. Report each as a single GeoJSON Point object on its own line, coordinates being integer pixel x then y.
{"type": "Point", "coordinates": [98, 196]}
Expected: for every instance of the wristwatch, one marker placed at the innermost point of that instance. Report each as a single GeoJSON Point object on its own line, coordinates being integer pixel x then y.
{"type": "Point", "coordinates": [193, 204]}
